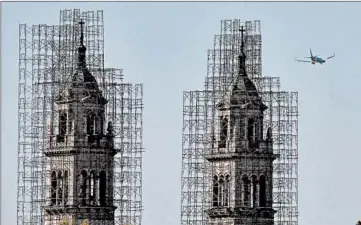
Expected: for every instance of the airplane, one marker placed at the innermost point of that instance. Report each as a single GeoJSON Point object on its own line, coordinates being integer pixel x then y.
{"type": "Point", "coordinates": [315, 59]}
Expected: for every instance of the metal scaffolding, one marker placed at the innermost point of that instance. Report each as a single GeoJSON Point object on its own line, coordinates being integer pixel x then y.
{"type": "Point", "coordinates": [200, 124]}
{"type": "Point", "coordinates": [47, 60]}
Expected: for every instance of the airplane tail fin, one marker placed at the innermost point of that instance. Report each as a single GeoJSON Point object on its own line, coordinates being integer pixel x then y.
{"type": "Point", "coordinates": [311, 53]}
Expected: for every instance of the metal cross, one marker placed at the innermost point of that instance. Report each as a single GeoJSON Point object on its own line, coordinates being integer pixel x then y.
{"type": "Point", "coordinates": [81, 24]}
{"type": "Point", "coordinates": [242, 30]}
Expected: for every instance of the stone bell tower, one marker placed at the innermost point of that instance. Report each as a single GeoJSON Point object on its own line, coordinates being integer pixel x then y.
{"type": "Point", "coordinates": [80, 154]}
{"type": "Point", "coordinates": [241, 158]}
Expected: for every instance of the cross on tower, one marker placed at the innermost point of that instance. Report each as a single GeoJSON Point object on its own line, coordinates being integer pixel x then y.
{"type": "Point", "coordinates": [242, 31]}
{"type": "Point", "coordinates": [82, 48]}
{"type": "Point", "coordinates": [242, 55]}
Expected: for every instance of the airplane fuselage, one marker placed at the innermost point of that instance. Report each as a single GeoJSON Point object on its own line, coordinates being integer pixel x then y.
{"type": "Point", "coordinates": [317, 60]}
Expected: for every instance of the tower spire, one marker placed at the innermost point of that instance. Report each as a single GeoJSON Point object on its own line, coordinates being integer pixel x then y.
{"type": "Point", "coordinates": [242, 56]}
{"type": "Point", "coordinates": [81, 33]}
{"type": "Point", "coordinates": [82, 48]}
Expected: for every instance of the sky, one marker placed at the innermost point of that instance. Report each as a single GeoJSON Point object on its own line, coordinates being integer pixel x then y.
{"type": "Point", "coordinates": [163, 45]}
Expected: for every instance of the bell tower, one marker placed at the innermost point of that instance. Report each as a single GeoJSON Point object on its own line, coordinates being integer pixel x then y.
{"type": "Point", "coordinates": [241, 158]}
{"type": "Point", "coordinates": [80, 153]}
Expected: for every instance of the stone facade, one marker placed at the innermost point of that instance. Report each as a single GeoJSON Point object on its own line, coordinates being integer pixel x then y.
{"type": "Point", "coordinates": [80, 154]}
{"type": "Point", "coordinates": [241, 158]}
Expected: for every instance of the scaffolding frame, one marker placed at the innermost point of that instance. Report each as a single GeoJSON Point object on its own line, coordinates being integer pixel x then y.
{"type": "Point", "coordinates": [47, 60]}
{"type": "Point", "coordinates": [200, 123]}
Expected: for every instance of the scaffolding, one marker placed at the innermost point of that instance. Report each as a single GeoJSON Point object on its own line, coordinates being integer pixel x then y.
{"type": "Point", "coordinates": [47, 60]}
{"type": "Point", "coordinates": [200, 123]}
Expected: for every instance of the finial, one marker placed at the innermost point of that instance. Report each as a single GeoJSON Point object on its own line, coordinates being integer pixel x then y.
{"type": "Point", "coordinates": [213, 138]}
{"type": "Point", "coordinates": [81, 33]}
{"type": "Point", "coordinates": [242, 39]}
{"type": "Point", "coordinates": [82, 48]}
{"type": "Point", "coordinates": [212, 133]}
{"type": "Point", "coordinates": [242, 56]}
{"type": "Point", "coordinates": [269, 133]}
{"type": "Point", "coordinates": [110, 128]}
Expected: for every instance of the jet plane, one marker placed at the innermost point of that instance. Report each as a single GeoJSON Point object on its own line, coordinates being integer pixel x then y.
{"type": "Point", "coordinates": [315, 59]}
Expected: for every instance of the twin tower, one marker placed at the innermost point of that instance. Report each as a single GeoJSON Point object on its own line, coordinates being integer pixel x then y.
{"type": "Point", "coordinates": [80, 154]}
{"type": "Point", "coordinates": [81, 188]}
{"type": "Point", "coordinates": [241, 159]}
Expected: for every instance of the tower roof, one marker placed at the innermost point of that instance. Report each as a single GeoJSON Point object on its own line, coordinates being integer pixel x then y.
{"type": "Point", "coordinates": [82, 78]}
{"type": "Point", "coordinates": [82, 73]}
{"type": "Point", "coordinates": [242, 90]}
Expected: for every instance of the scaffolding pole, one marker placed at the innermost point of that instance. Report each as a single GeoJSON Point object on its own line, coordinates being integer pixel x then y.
{"type": "Point", "coordinates": [47, 60]}
{"type": "Point", "coordinates": [201, 122]}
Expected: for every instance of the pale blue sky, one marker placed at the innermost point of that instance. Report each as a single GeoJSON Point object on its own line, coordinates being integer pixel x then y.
{"type": "Point", "coordinates": [163, 45]}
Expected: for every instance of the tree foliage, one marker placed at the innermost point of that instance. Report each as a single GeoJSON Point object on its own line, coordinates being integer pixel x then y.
{"type": "Point", "coordinates": [85, 222]}
{"type": "Point", "coordinates": [65, 221]}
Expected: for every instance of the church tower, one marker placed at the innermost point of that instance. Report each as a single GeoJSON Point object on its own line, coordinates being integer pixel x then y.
{"type": "Point", "coordinates": [80, 154]}
{"type": "Point", "coordinates": [241, 158]}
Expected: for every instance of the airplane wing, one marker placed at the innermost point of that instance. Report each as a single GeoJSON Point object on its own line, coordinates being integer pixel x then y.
{"type": "Point", "coordinates": [331, 56]}
{"type": "Point", "coordinates": [302, 60]}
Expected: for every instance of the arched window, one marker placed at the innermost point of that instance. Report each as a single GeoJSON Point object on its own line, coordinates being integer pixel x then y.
{"type": "Point", "coordinates": [92, 188]}
{"type": "Point", "coordinates": [98, 124]}
{"type": "Point", "coordinates": [83, 186]}
{"type": "Point", "coordinates": [221, 191]}
{"type": "Point", "coordinates": [60, 189]}
{"type": "Point", "coordinates": [254, 191]}
{"type": "Point", "coordinates": [227, 187]}
{"type": "Point", "coordinates": [90, 121]}
{"type": "Point", "coordinates": [232, 124]}
{"type": "Point", "coordinates": [259, 129]}
{"type": "Point", "coordinates": [102, 188]}
{"type": "Point", "coordinates": [262, 191]}
{"type": "Point", "coordinates": [245, 191]}
{"type": "Point", "coordinates": [251, 130]}
{"type": "Point", "coordinates": [70, 121]}
{"type": "Point", "coordinates": [224, 132]}
{"type": "Point", "coordinates": [215, 191]}
{"type": "Point", "coordinates": [101, 124]}
{"type": "Point", "coordinates": [53, 188]}
{"type": "Point", "coordinates": [66, 187]}
{"type": "Point", "coordinates": [256, 129]}
{"type": "Point", "coordinates": [62, 123]}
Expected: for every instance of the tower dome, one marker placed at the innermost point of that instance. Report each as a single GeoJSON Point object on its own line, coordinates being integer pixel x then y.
{"type": "Point", "coordinates": [242, 92]}
{"type": "Point", "coordinates": [82, 73]}
{"type": "Point", "coordinates": [84, 84]}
